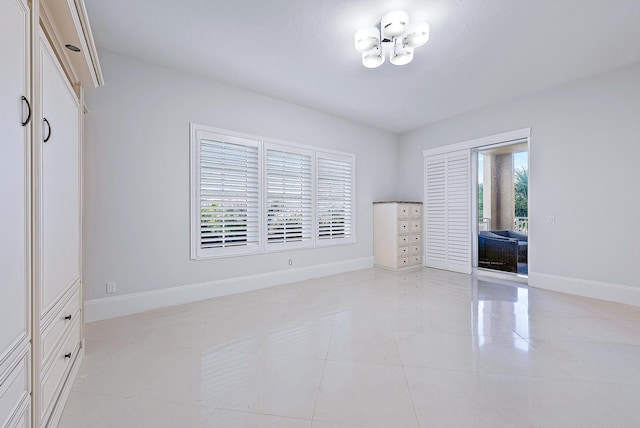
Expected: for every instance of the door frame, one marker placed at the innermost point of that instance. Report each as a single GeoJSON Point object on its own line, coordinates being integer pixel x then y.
{"type": "Point", "coordinates": [474, 210]}
{"type": "Point", "coordinates": [497, 140]}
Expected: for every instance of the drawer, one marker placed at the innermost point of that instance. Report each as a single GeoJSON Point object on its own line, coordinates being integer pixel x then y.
{"type": "Point", "coordinates": [403, 226]}
{"type": "Point", "coordinates": [14, 387]}
{"type": "Point", "coordinates": [403, 240]}
{"type": "Point", "coordinates": [403, 210]}
{"type": "Point", "coordinates": [403, 251]}
{"type": "Point", "coordinates": [403, 261]}
{"type": "Point", "coordinates": [416, 226]}
{"type": "Point", "coordinates": [416, 210]}
{"type": "Point", "coordinates": [415, 259]}
{"type": "Point", "coordinates": [63, 359]}
{"type": "Point", "coordinates": [415, 249]}
{"type": "Point", "coordinates": [415, 238]}
{"type": "Point", "coordinates": [59, 326]}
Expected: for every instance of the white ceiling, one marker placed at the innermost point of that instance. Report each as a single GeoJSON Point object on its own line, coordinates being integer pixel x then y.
{"type": "Point", "coordinates": [481, 52]}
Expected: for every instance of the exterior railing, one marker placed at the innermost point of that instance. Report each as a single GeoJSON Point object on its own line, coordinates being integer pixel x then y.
{"type": "Point", "coordinates": [521, 224]}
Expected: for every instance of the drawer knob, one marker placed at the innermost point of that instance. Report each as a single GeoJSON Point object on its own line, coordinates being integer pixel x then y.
{"type": "Point", "coordinates": [67, 355]}
{"type": "Point", "coordinates": [68, 318]}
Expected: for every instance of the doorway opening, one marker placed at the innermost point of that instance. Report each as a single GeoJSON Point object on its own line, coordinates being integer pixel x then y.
{"type": "Point", "coordinates": [502, 195]}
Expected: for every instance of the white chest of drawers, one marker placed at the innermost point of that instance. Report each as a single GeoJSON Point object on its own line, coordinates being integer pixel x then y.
{"type": "Point", "coordinates": [397, 234]}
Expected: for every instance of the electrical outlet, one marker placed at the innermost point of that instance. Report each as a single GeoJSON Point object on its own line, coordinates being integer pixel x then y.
{"type": "Point", "coordinates": [111, 287]}
{"type": "Point", "coordinates": [551, 220]}
{"type": "Point", "coordinates": [290, 262]}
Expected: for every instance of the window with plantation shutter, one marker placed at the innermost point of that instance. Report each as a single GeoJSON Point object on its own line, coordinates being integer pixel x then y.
{"type": "Point", "coordinates": [251, 196]}
{"type": "Point", "coordinates": [228, 194]}
{"type": "Point", "coordinates": [334, 198]}
{"type": "Point", "coordinates": [289, 197]}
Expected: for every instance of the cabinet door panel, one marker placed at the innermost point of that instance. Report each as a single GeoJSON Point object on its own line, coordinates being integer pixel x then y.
{"type": "Point", "coordinates": [60, 181]}
{"type": "Point", "coordinates": [14, 192]}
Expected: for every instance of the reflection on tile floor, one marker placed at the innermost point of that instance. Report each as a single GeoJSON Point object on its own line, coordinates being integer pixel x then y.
{"type": "Point", "coordinates": [371, 348]}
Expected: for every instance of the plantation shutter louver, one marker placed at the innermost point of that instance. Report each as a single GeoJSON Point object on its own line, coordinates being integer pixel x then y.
{"type": "Point", "coordinates": [448, 211]}
{"type": "Point", "coordinates": [289, 197]}
{"type": "Point", "coordinates": [229, 194]}
{"type": "Point", "coordinates": [435, 214]}
{"type": "Point", "coordinates": [334, 197]}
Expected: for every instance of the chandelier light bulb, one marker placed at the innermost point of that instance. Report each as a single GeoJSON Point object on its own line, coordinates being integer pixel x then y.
{"type": "Point", "coordinates": [373, 58]}
{"type": "Point", "coordinates": [394, 23]}
{"type": "Point", "coordinates": [367, 38]}
{"type": "Point", "coordinates": [417, 35]}
{"type": "Point", "coordinates": [401, 54]}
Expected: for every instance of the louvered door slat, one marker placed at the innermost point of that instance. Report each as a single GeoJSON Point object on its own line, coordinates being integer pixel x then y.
{"type": "Point", "coordinates": [447, 211]}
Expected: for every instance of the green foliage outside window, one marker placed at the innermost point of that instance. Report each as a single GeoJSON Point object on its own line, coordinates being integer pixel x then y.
{"type": "Point", "coordinates": [521, 183]}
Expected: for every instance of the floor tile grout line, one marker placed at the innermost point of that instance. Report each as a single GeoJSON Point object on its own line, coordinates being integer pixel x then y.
{"type": "Point", "coordinates": [248, 412]}
{"type": "Point", "coordinates": [413, 405]}
{"type": "Point", "coordinates": [324, 365]}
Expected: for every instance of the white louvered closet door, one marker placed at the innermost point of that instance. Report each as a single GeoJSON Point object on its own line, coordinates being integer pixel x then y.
{"type": "Point", "coordinates": [448, 211]}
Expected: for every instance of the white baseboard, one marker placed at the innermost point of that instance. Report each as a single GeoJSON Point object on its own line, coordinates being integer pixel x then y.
{"type": "Point", "coordinates": [582, 287]}
{"type": "Point", "coordinates": [111, 307]}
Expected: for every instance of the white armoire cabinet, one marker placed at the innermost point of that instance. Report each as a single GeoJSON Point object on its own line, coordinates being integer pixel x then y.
{"type": "Point", "coordinates": [15, 242]}
{"type": "Point", "coordinates": [58, 238]}
{"type": "Point", "coordinates": [49, 59]}
{"type": "Point", "coordinates": [397, 234]}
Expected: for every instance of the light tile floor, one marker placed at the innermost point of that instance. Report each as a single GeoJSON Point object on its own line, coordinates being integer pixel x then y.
{"type": "Point", "coordinates": [366, 349]}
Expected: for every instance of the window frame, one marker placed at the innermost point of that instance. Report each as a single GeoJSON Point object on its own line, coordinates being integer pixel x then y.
{"type": "Point", "coordinates": [341, 157]}
{"type": "Point", "coordinates": [304, 243]}
{"type": "Point", "coordinates": [263, 144]}
{"type": "Point", "coordinates": [197, 252]}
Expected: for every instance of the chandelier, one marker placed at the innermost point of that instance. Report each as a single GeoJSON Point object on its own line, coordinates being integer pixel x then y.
{"type": "Point", "coordinates": [393, 34]}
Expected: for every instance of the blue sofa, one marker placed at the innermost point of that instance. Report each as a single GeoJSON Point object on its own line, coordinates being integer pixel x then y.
{"type": "Point", "coordinates": [502, 249]}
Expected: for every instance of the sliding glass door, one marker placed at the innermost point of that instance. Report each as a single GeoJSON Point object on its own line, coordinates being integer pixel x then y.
{"type": "Point", "coordinates": [502, 207]}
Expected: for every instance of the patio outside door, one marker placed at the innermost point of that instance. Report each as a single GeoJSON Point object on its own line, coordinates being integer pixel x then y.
{"type": "Point", "coordinates": [502, 208]}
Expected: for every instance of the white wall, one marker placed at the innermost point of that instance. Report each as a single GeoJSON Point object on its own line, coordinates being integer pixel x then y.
{"type": "Point", "coordinates": [584, 170]}
{"type": "Point", "coordinates": [136, 175]}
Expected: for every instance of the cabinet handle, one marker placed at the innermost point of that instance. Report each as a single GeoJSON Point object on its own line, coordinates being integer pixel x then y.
{"type": "Point", "coordinates": [28, 119]}
{"type": "Point", "coordinates": [49, 127]}
{"type": "Point", "coordinates": [68, 318]}
{"type": "Point", "coordinates": [67, 355]}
